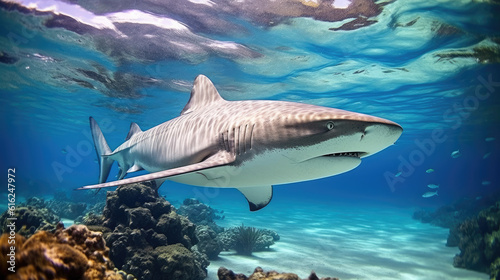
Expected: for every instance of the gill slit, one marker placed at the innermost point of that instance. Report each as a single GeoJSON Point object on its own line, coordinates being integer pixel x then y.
{"type": "Point", "coordinates": [226, 140]}
{"type": "Point", "coordinates": [235, 141]}
{"type": "Point", "coordinates": [251, 137]}
{"type": "Point", "coordinates": [245, 138]}
{"type": "Point", "coordinates": [239, 140]}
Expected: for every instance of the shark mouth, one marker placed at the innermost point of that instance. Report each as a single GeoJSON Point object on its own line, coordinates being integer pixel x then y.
{"type": "Point", "coordinates": [346, 154]}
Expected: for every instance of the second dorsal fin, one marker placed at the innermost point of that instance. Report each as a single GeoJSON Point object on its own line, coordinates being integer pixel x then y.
{"type": "Point", "coordinates": [203, 93]}
{"type": "Point", "coordinates": [134, 128]}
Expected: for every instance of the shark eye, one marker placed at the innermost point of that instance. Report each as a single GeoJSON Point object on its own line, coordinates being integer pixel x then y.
{"type": "Point", "coordinates": [330, 125]}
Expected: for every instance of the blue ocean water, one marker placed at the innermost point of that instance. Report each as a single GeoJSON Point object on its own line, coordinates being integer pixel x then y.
{"type": "Point", "coordinates": [431, 66]}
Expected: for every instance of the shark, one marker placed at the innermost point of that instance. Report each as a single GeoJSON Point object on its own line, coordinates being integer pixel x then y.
{"type": "Point", "coordinates": [250, 145]}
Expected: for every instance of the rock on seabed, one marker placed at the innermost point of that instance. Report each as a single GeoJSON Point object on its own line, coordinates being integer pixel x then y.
{"type": "Point", "coordinates": [148, 238]}
{"type": "Point", "coordinates": [259, 274]}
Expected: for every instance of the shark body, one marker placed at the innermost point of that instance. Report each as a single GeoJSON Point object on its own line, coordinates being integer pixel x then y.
{"type": "Point", "coordinates": [248, 145]}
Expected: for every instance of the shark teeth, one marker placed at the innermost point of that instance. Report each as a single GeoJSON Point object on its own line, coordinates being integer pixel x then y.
{"type": "Point", "coordinates": [346, 154]}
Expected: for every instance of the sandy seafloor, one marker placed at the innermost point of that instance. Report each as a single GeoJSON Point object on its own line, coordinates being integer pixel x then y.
{"type": "Point", "coordinates": [343, 240]}
{"type": "Point", "coordinates": [346, 241]}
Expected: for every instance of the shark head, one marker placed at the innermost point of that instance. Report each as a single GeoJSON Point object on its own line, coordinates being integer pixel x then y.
{"type": "Point", "coordinates": [324, 141]}
{"type": "Point", "coordinates": [316, 131]}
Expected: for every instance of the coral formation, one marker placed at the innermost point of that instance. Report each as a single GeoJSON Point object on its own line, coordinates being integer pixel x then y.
{"type": "Point", "coordinates": [259, 274]}
{"type": "Point", "coordinates": [246, 240]}
{"type": "Point", "coordinates": [66, 209]}
{"type": "Point", "coordinates": [449, 216]}
{"type": "Point", "coordinates": [90, 218]}
{"type": "Point", "coordinates": [213, 239]}
{"type": "Point", "coordinates": [475, 228]}
{"type": "Point", "coordinates": [177, 262]}
{"type": "Point", "coordinates": [73, 253]}
{"type": "Point", "coordinates": [140, 226]}
{"type": "Point", "coordinates": [31, 219]}
{"type": "Point", "coordinates": [201, 214]}
{"type": "Point", "coordinates": [147, 237]}
{"type": "Point", "coordinates": [60, 205]}
{"type": "Point", "coordinates": [38, 214]}
{"type": "Point", "coordinates": [479, 242]}
{"type": "Point", "coordinates": [208, 242]}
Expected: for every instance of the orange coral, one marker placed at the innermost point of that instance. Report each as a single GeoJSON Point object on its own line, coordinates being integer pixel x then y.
{"type": "Point", "coordinates": [259, 274]}
{"type": "Point", "coordinates": [73, 253]}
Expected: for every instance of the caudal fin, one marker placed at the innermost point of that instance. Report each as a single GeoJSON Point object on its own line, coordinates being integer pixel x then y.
{"type": "Point", "coordinates": [103, 151]}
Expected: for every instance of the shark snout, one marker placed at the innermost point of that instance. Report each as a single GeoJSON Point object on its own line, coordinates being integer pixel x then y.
{"type": "Point", "coordinates": [378, 136]}
{"type": "Point", "coordinates": [390, 129]}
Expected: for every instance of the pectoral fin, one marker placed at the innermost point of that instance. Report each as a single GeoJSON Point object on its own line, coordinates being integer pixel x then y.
{"type": "Point", "coordinates": [258, 197]}
{"type": "Point", "coordinates": [218, 159]}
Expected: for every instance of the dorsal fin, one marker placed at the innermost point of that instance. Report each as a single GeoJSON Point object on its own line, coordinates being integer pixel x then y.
{"type": "Point", "coordinates": [203, 93]}
{"type": "Point", "coordinates": [134, 128]}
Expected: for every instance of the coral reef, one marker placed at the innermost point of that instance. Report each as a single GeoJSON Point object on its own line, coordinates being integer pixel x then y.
{"type": "Point", "coordinates": [147, 237]}
{"type": "Point", "coordinates": [479, 242]}
{"type": "Point", "coordinates": [206, 229]}
{"type": "Point", "coordinates": [73, 253]}
{"type": "Point", "coordinates": [246, 240]}
{"type": "Point", "coordinates": [213, 239]}
{"type": "Point", "coordinates": [38, 214]}
{"type": "Point", "coordinates": [208, 242]}
{"type": "Point", "coordinates": [449, 216]}
{"type": "Point", "coordinates": [90, 218]}
{"type": "Point", "coordinates": [199, 213]}
{"type": "Point", "coordinates": [31, 219]}
{"type": "Point", "coordinates": [259, 274]}
{"type": "Point", "coordinates": [60, 205]}
{"type": "Point", "coordinates": [70, 208]}
{"type": "Point", "coordinates": [66, 209]}
{"type": "Point", "coordinates": [138, 224]}
{"type": "Point", "coordinates": [177, 262]}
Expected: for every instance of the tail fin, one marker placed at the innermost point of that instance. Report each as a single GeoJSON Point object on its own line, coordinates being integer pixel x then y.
{"type": "Point", "coordinates": [103, 151]}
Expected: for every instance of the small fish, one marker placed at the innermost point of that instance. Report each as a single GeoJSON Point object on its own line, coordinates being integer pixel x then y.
{"type": "Point", "coordinates": [485, 183]}
{"type": "Point", "coordinates": [486, 155]}
{"type": "Point", "coordinates": [430, 194]}
{"type": "Point", "coordinates": [456, 154]}
{"type": "Point", "coordinates": [398, 174]}
{"type": "Point", "coordinates": [489, 139]}
{"type": "Point", "coordinates": [430, 170]}
{"type": "Point", "coordinates": [64, 151]}
{"type": "Point", "coordinates": [433, 186]}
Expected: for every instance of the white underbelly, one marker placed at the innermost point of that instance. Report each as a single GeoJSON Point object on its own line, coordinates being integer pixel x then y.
{"type": "Point", "coordinates": [272, 168]}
